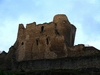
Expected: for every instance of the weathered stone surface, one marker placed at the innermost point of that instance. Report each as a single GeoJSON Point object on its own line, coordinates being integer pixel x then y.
{"type": "Point", "coordinates": [2, 60]}
{"type": "Point", "coordinates": [2, 57]}
{"type": "Point", "coordinates": [85, 62]}
{"type": "Point", "coordinates": [81, 50]}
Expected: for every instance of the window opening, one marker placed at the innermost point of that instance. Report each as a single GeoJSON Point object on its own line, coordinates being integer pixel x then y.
{"type": "Point", "coordinates": [22, 43]}
{"type": "Point", "coordinates": [42, 28]}
{"type": "Point", "coordinates": [37, 42]}
{"type": "Point", "coordinates": [47, 41]}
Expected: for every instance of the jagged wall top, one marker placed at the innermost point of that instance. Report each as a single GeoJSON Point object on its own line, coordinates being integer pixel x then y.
{"type": "Point", "coordinates": [56, 19]}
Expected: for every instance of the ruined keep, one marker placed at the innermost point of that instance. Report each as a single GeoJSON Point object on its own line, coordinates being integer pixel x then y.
{"type": "Point", "coordinates": [45, 41]}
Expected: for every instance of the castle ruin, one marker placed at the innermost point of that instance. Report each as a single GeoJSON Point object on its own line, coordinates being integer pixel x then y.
{"type": "Point", "coordinates": [45, 41]}
{"type": "Point", "coordinates": [48, 46]}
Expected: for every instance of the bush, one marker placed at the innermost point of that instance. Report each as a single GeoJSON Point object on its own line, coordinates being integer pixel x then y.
{"type": "Point", "coordinates": [6, 73]}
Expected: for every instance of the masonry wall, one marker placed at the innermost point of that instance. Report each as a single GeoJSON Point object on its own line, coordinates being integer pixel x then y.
{"type": "Point", "coordinates": [62, 63]}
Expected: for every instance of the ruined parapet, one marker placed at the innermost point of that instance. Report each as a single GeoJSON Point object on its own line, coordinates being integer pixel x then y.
{"type": "Point", "coordinates": [21, 32]}
{"type": "Point", "coordinates": [81, 50]}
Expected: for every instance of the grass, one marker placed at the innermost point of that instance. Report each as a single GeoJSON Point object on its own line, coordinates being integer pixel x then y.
{"type": "Point", "coordinates": [39, 72]}
{"type": "Point", "coordinates": [6, 73]}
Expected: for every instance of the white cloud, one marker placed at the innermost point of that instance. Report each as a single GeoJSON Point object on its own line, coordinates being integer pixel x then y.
{"type": "Point", "coordinates": [81, 37]}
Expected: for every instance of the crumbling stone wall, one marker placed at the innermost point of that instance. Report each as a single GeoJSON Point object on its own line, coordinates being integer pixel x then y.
{"type": "Point", "coordinates": [45, 41]}
{"type": "Point", "coordinates": [81, 50]}
{"type": "Point", "coordinates": [2, 60]}
{"type": "Point", "coordinates": [61, 63]}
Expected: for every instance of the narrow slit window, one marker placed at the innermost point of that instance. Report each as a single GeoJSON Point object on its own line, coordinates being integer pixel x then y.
{"type": "Point", "coordinates": [42, 28]}
{"type": "Point", "coordinates": [47, 41]}
{"type": "Point", "coordinates": [37, 42]}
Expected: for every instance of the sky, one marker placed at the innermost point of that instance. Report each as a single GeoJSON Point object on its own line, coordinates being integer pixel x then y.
{"type": "Point", "coordinates": [84, 14]}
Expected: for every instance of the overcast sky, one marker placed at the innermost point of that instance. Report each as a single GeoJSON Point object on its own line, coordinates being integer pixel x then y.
{"type": "Point", "coordinates": [84, 14]}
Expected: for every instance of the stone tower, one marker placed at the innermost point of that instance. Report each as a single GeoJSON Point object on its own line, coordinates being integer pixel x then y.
{"type": "Point", "coordinates": [45, 41]}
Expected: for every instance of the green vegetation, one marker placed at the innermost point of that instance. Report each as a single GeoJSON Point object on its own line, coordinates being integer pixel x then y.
{"type": "Point", "coordinates": [43, 72]}
{"type": "Point", "coordinates": [6, 73]}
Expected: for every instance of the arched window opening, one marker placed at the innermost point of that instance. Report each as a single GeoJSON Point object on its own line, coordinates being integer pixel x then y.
{"type": "Point", "coordinates": [22, 43]}
{"type": "Point", "coordinates": [42, 28]}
